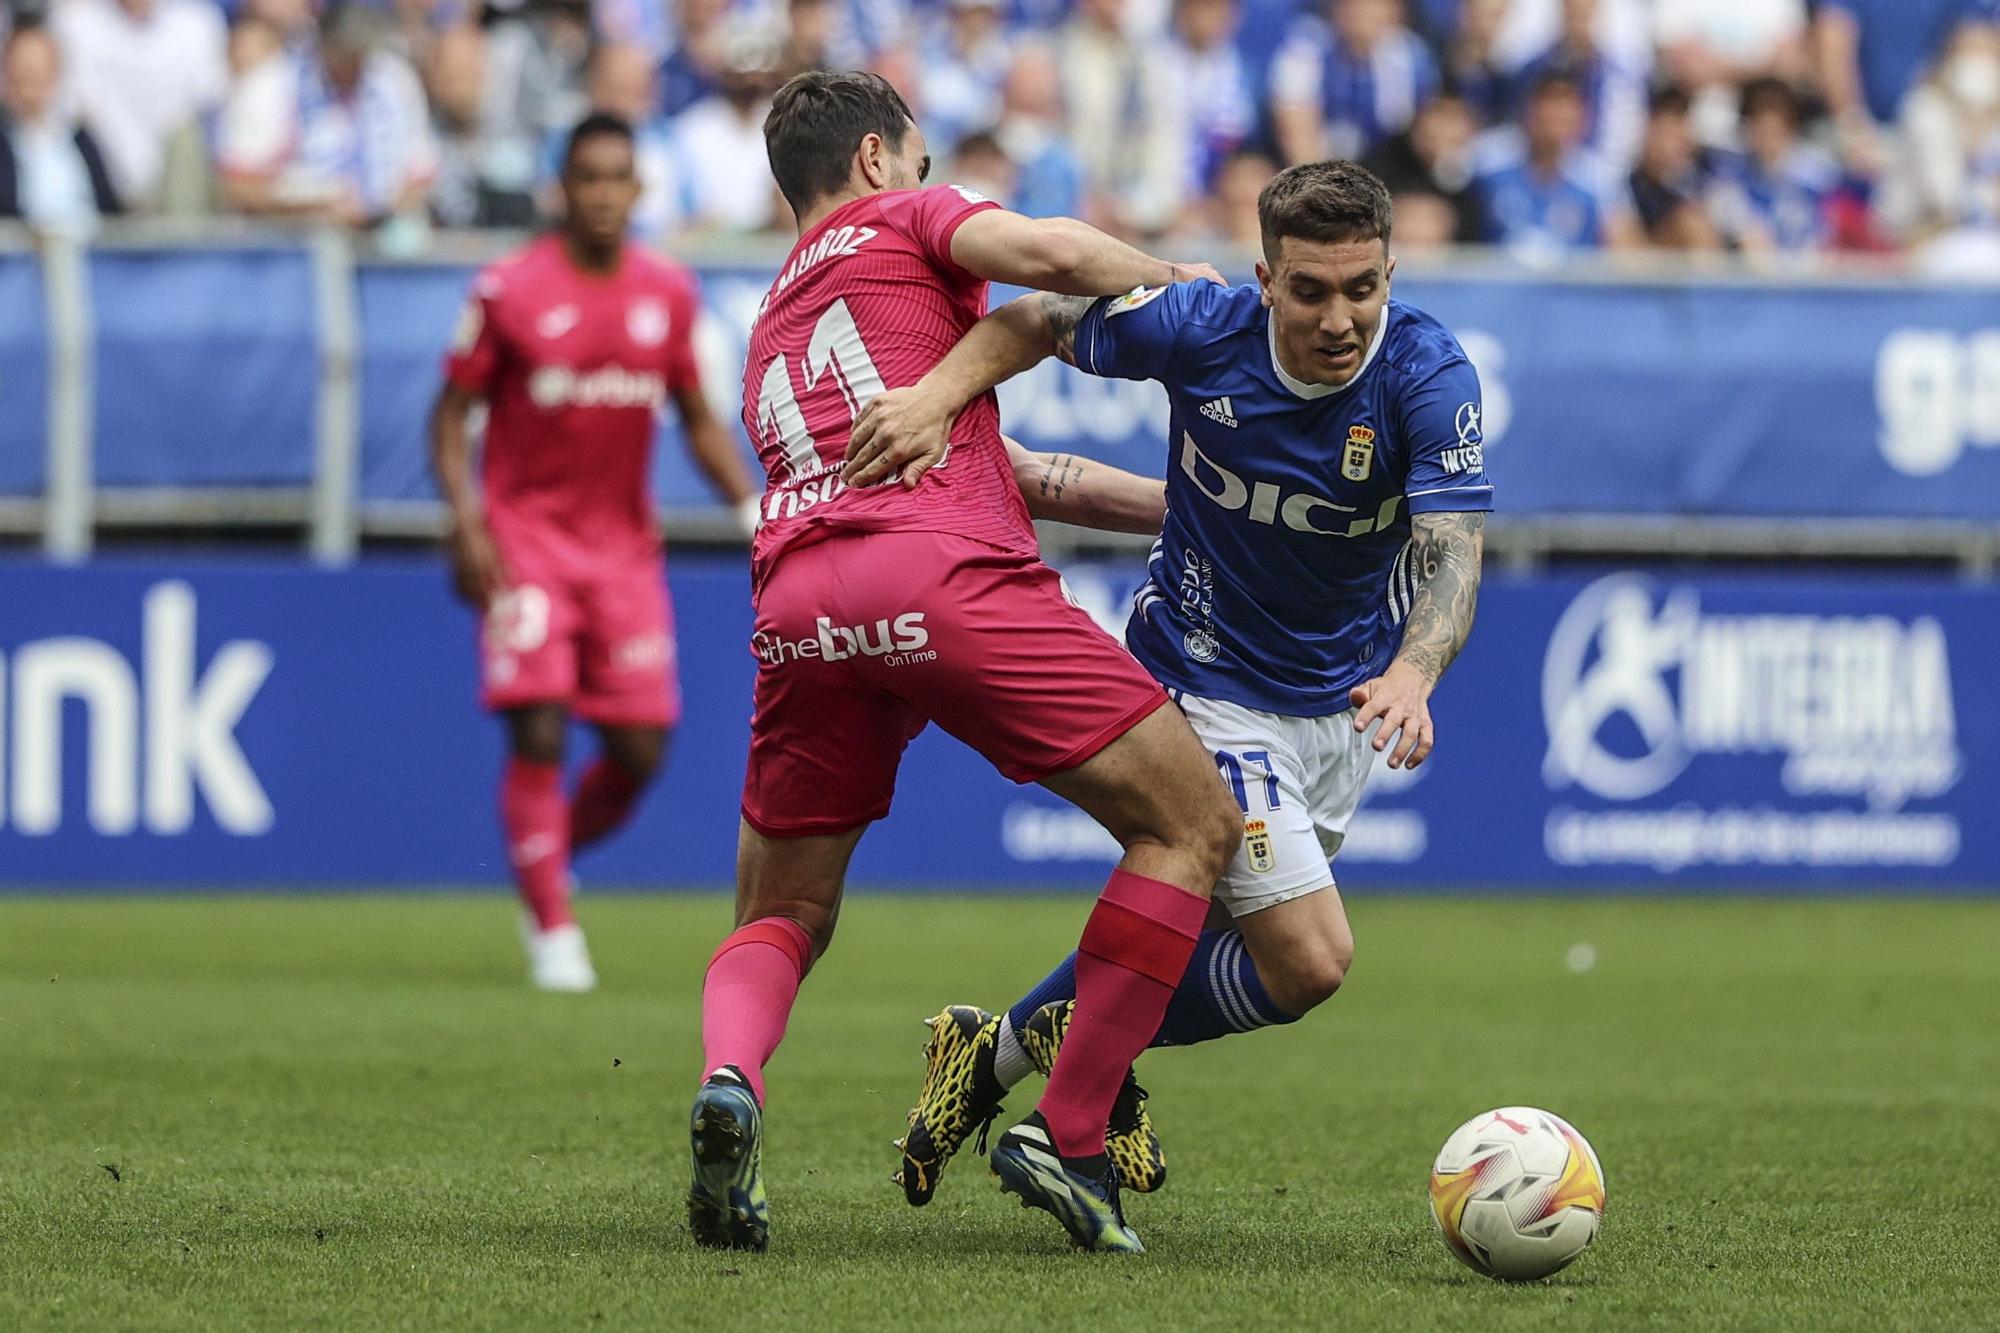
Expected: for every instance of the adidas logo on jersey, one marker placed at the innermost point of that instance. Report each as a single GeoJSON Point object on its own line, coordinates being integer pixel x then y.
{"type": "Point", "coordinates": [1220, 410]}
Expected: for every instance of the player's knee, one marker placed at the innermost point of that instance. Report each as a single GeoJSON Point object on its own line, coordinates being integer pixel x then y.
{"type": "Point", "coordinates": [815, 919]}
{"type": "Point", "coordinates": [639, 754]}
{"type": "Point", "coordinates": [1310, 978]}
{"type": "Point", "coordinates": [538, 735]}
{"type": "Point", "coordinates": [813, 915]}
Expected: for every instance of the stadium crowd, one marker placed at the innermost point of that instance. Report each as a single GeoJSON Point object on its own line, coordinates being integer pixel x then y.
{"type": "Point", "coordinates": [1770, 127]}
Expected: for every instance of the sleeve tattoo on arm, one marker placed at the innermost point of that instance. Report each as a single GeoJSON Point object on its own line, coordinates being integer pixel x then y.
{"type": "Point", "coordinates": [1064, 313]}
{"type": "Point", "coordinates": [1446, 549]}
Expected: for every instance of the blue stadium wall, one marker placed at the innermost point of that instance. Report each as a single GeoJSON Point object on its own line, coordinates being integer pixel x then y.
{"type": "Point", "coordinates": [192, 724]}
{"type": "Point", "coordinates": [1732, 399]}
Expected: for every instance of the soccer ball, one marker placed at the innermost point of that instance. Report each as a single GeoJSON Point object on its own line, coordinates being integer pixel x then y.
{"type": "Point", "coordinates": [1517, 1193]}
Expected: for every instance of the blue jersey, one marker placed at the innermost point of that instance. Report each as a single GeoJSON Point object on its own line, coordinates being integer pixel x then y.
{"type": "Point", "coordinates": [1282, 576]}
{"type": "Point", "coordinates": [1544, 214]}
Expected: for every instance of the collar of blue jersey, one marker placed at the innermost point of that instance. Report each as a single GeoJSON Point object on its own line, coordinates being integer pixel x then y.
{"type": "Point", "coordinates": [1299, 387]}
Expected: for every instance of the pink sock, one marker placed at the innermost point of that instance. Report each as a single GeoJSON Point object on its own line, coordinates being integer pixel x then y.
{"type": "Point", "coordinates": [535, 816]}
{"type": "Point", "coordinates": [747, 996]}
{"type": "Point", "coordinates": [1134, 948]}
{"type": "Point", "coordinates": [604, 797]}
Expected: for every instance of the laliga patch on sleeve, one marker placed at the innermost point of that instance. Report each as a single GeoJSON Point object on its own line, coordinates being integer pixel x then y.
{"type": "Point", "coordinates": [970, 195]}
{"type": "Point", "coordinates": [1132, 300]}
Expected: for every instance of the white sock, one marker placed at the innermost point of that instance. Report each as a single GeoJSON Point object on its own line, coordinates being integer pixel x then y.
{"type": "Point", "coordinates": [1010, 1058]}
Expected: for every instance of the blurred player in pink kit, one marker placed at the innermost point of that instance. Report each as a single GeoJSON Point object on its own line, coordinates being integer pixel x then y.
{"type": "Point", "coordinates": [925, 600]}
{"type": "Point", "coordinates": [575, 344]}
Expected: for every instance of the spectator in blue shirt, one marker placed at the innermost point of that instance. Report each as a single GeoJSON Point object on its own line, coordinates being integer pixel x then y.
{"type": "Point", "coordinates": [1433, 159]}
{"type": "Point", "coordinates": [1670, 185]}
{"type": "Point", "coordinates": [690, 71]}
{"type": "Point", "coordinates": [1261, 31]}
{"type": "Point", "coordinates": [1472, 64]}
{"type": "Point", "coordinates": [1869, 54]}
{"type": "Point", "coordinates": [1340, 85]}
{"type": "Point", "coordinates": [1048, 175]}
{"type": "Point", "coordinates": [965, 54]}
{"type": "Point", "coordinates": [1773, 195]}
{"type": "Point", "coordinates": [1613, 95]}
{"type": "Point", "coordinates": [1203, 58]}
{"type": "Point", "coordinates": [622, 81]}
{"type": "Point", "coordinates": [1541, 207]}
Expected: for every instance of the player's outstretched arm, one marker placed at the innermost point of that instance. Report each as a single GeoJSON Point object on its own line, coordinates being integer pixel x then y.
{"type": "Point", "coordinates": [904, 432]}
{"type": "Point", "coordinates": [1446, 551]}
{"type": "Point", "coordinates": [714, 451]}
{"type": "Point", "coordinates": [475, 561]}
{"type": "Point", "coordinates": [1064, 488]}
{"type": "Point", "coordinates": [1060, 255]}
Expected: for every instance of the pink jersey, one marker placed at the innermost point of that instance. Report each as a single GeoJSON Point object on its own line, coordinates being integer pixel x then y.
{"type": "Point", "coordinates": [871, 299]}
{"type": "Point", "coordinates": [574, 367]}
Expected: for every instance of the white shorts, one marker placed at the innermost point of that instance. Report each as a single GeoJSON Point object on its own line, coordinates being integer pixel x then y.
{"type": "Point", "coordinates": [1298, 780]}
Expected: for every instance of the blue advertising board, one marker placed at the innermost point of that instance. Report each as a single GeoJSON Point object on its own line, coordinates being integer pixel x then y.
{"type": "Point", "coordinates": [207, 367]}
{"type": "Point", "coordinates": [24, 376]}
{"type": "Point", "coordinates": [1866, 400]}
{"type": "Point", "coordinates": [272, 725]}
{"type": "Point", "coordinates": [1716, 399]}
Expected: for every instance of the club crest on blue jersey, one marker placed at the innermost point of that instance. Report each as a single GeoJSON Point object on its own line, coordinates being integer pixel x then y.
{"type": "Point", "coordinates": [1357, 460]}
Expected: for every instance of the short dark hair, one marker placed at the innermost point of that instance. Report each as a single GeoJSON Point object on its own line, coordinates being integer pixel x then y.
{"type": "Point", "coordinates": [817, 121]}
{"type": "Point", "coordinates": [351, 25]}
{"type": "Point", "coordinates": [1669, 99]}
{"type": "Point", "coordinates": [978, 142]}
{"type": "Point", "coordinates": [596, 125]}
{"type": "Point", "coordinates": [1768, 93]}
{"type": "Point", "coordinates": [1557, 81]}
{"type": "Point", "coordinates": [1324, 201]}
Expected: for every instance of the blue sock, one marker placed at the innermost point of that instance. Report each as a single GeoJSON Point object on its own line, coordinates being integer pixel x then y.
{"type": "Point", "coordinates": [1220, 994]}
{"type": "Point", "coordinates": [1057, 985]}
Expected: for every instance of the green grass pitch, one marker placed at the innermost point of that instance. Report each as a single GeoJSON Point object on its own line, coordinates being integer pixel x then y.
{"type": "Point", "coordinates": [352, 1113]}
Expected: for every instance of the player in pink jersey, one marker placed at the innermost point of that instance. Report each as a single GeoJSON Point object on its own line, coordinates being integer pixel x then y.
{"type": "Point", "coordinates": [880, 611]}
{"type": "Point", "coordinates": [575, 344]}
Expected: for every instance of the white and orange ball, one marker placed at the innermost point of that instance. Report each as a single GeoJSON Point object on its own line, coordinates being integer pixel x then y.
{"type": "Point", "coordinates": [1517, 1193]}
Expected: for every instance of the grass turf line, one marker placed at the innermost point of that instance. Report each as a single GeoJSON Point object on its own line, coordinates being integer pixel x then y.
{"type": "Point", "coordinates": [349, 1113]}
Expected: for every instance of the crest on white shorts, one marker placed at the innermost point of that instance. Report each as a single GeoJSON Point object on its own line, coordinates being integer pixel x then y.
{"type": "Point", "coordinates": [646, 321]}
{"type": "Point", "coordinates": [1257, 846]}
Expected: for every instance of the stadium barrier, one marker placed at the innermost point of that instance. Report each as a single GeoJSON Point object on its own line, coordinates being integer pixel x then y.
{"type": "Point", "coordinates": [187, 725]}
{"type": "Point", "coordinates": [272, 380]}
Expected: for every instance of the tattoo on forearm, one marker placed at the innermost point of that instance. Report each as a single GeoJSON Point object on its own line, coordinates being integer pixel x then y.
{"type": "Point", "coordinates": [1064, 313]}
{"type": "Point", "coordinates": [1063, 475]}
{"type": "Point", "coordinates": [1059, 473]}
{"type": "Point", "coordinates": [1445, 550]}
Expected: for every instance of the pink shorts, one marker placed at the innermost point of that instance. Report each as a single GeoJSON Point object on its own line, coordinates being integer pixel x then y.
{"type": "Point", "coordinates": [863, 638]}
{"type": "Point", "coordinates": [598, 639]}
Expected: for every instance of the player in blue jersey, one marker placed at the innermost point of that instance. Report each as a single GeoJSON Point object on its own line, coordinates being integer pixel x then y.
{"type": "Point", "coordinates": [1316, 573]}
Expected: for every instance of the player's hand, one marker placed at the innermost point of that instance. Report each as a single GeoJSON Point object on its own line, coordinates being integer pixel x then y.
{"type": "Point", "coordinates": [1198, 273]}
{"type": "Point", "coordinates": [1399, 698]}
{"type": "Point", "coordinates": [476, 569]}
{"type": "Point", "coordinates": [900, 433]}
